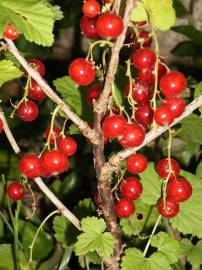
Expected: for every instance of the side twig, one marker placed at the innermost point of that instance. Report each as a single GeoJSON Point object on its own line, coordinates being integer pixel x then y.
{"type": "Point", "coordinates": [83, 126]}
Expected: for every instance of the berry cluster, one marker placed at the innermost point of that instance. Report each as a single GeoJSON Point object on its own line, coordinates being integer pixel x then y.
{"type": "Point", "coordinates": [178, 189]}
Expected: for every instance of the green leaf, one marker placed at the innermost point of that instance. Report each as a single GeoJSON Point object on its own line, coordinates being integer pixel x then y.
{"type": "Point", "coordinates": [65, 259]}
{"type": "Point", "coordinates": [167, 246]}
{"type": "Point", "coordinates": [144, 218]}
{"type": "Point", "coordinates": [198, 93]}
{"type": "Point", "coordinates": [179, 8]}
{"type": "Point", "coordinates": [58, 14]}
{"type": "Point", "coordinates": [52, 262]}
{"type": "Point", "coordinates": [94, 238]}
{"type": "Point", "coordinates": [62, 230]}
{"type": "Point", "coordinates": [84, 208]}
{"type": "Point", "coordinates": [134, 259]}
{"type": "Point", "coordinates": [8, 71]}
{"type": "Point", "coordinates": [139, 13]}
{"type": "Point", "coordinates": [199, 170]}
{"type": "Point", "coordinates": [192, 252]}
{"type": "Point", "coordinates": [186, 48]}
{"type": "Point", "coordinates": [192, 127]}
{"type": "Point", "coordinates": [70, 93]}
{"type": "Point", "coordinates": [189, 219]}
{"type": "Point", "coordinates": [191, 32]}
{"type": "Point", "coordinates": [161, 13]}
{"type": "Point", "coordinates": [151, 185]}
{"type": "Point", "coordinates": [43, 244]}
{"type": "Point", "coordinates": [33, 18]}
{"type": "Point", "coordinates": [73, 129]}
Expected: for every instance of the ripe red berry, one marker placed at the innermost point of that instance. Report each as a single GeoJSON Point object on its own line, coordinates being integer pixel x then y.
{"type": "Point", "coordinates": [146, 76]}
{"type": "Point", "coordinates": [162, 168]}
{"type": "Point", "coordinates": [176, 105]}
{"type": "Point", "coordinates": [44, 172]}
{"type": "Point", "coordinates": [144, 58]}
{"type": "Point", "coordinates": [172, 83]}
{"type": "Point", "coordinates": [67, 145]}
{"type": "Point", "coordinates": [27, 111]}
{"type": "Point", "coordinates": [82, 71]}
{"type": "Point", "coordinates": [30, 166]}
{"type": "Point", "coordinates": [124, 208]}
{"type": "Point", "coordinates": [109, 25]}
{"type": "Point", "coordinates": [170, 209]}
{"type": "Point", "coordinates": [36, 92]}
{"type": "Point", "coordinates": [144, 114]}
{"type": "Point", "coordinates": [37, 65]}
{"type": "Point", "coordinates": [180, 189]}
{"type": "Point", "coordinates": [15, 191]}
{"type": "Point", "coordinates": [54, 161]}
{"type": "Point", "coordinates": [161, 68]}
{"type": "Point", "coordinates": [141, 92]}
{"type": "Point", "coordinates": [163, 115]}
{"type": "Point", "coordinates": [113, 125]}
{"type": "Point", "coordinates": [140, 24]}
{"type": "Point", "coordinates": [147, 40]}
{"type": "Point", "coordinates": [87, 26]}
{"type": "Point", "coordinates": [131, 188]}
{"type": "Point", "coordinates": [132, 135]}
{"type": "Point", "coordinates": [136, 163]}
{"type": "Point", "coordinates": [91, 8]}
{"type": "Point", "coordinates": [94, 93]}
{"type": "Point", "coordinates": [1, 126]}
{"type": "Point", "coordinates": [10, 32]}
{"type": "Point", "coordinates": [54, 136]}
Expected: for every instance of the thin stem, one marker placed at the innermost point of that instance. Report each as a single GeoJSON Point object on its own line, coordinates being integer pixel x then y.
{"type": "Point", "coordinates": [37, 232]}
{"type": "Point", "coordinates": [16, 232]}
{"type": "Point", "coordinates": [8, 133]}
{"type": "Point", "coordinates": [60, 206]}
{"type": "Point", "coordinates": [82, 125]}
{"type": "Point", "coordinates": [51, 132]}
{"type": "Point", "coordinates": [152, 234]}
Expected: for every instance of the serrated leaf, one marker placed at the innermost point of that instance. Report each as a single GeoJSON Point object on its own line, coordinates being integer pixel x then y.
{"type": "Point", "coordinates": [161, 13]}
{"type": "Point", "coordinates": [58, 14]}
{"type": "Point", "coordinates": [145, 217]}
{"type": "Point", "coordinates": [192, 127]}
{"type": "Point", "coordinates": [33, 18]}
{"type": "Point", "coordinates": [8, 71]}
{"type": "Point", "coordinates": [61, 227]}
{"type": "Point", "coordinates": [167, 246]}
{"type": "Point", "coordinates": [94, 238]}
{"type": "Point", "coordinates": [70, 93]}
{"type": "Point", "coordinates": [192, 252]}
{"type": "Point", "coordinates": [134, 259]}
{"type": "Point", "coordinates": [139, 13]}
{"type": "Point", "coordinates": [189, 219]}
{"type": "Point", "coordinates": [191, 32]}
{"type": "Point", "coordinates": [151, 185]}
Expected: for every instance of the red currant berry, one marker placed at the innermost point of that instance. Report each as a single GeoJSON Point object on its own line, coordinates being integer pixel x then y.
{"type": "Point", "coordinates": [140, 24]}
{"type": "Point", "coordinates": [54, 136]}
{"type": "Point", "coordinates": [87, 26]}
{"type": "Point", "coordinates": [1, 126]}
{"type": "Point", "coordinates": [113, 125]}
{"type": "Point", "coordinates": [67, 145]}
{"type": "Point", "coordinates": [97, 199]}
{"type": "Point", "coordinates": [144, 114]}
{"type": "Point", "coordinates": [132, 135]}
{"type": "Point", "coordinates": [131, 188]}
{"type": "Point", "coordinates": [141, 92]}
{"type": "Point", "coordinates": [144, 58]}
{"type": "Point", "coordinates": [91, 8]}
{"type": "Point", "coordinates": [94, 93]}
{"type": "Point", "coordinates": [180, 189]}
{"type": "Point", "coordinates": [163, 116]}
{"type": "Point", "coordinates": [109, 25]}
{"type": "Point", "coordinates": [30, 166]}
{"type": "Point", "coordinates": [44, 172]}
{"type": "Point", "coordinates": [136, 163]}
{"type": "Point", "coordinates": [124, 208]}
{"type": "Point", "coordinates": [10, 32]}
{"type": "Point", "coordinates": [146, 76]}
{"type": "Point", "coordinates": [15, 191]}
{"type": "Point", "coordinates": [161, 68]}
{"type": "Point", "coordinates": [82, 71]}
{"type": "Point", "coordinates": [27, 111]}
{"type": "Point", "coordinates": [36, 92]}
{"type": "Point", "coordinates": [170, 209]}
{"type": "Point", "coordinates": [147, 40]}
{"type": "Point", "coordinates": [162, 168]}
{"type": "Point", "coordinates": [176, 105]}
{"type": "Point", "coordinates": [54, 162]}
{"type": "Point", "coordinates": [37, 65]}
{"type": "Point", "coordinates": [172, 83]}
